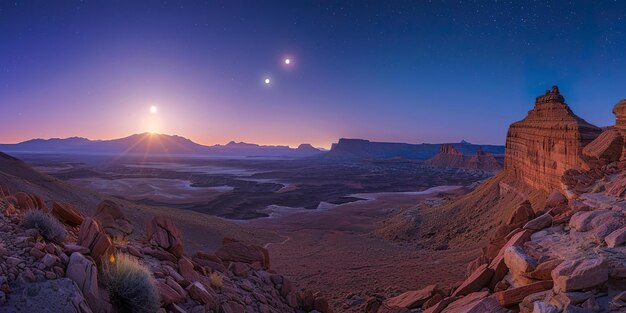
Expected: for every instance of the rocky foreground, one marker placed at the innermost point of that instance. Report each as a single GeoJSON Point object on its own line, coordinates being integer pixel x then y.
{"type": "Point", "coordinates": [64, 269]}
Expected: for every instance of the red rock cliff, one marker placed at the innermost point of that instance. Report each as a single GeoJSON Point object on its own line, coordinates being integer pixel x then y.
{"type": "Point", "coordinates": [448, 156]}
{"type": "Point", "coordinates": [549, 141]}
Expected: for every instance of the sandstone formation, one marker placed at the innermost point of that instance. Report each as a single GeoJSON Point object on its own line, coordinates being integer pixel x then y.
{"type": "Point", "coordinates": [548, 142]}
{"type": "Point", "coordinates": [563, 254]}
{"type": "Point", "coordinates": [449, 156]}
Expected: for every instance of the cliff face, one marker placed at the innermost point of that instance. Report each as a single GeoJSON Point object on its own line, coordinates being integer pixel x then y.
{"type": "Point", "coordinates": [449, 156]}
{"type": "Point", "coordinates": [549, 141]}
{"type": "Point", "coordinates": [365, 149]}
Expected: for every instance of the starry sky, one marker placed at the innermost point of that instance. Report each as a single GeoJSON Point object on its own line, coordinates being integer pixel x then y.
{"type": "Point", "coordinates": [404, 71]}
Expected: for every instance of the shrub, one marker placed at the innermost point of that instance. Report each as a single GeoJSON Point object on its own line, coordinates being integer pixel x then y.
{"type": "Point", "coordinates": [49, 227]}
{"type": "Point", "coordinates": [132, 289]}
{"type": "Point", "coordinates": [216, 279]}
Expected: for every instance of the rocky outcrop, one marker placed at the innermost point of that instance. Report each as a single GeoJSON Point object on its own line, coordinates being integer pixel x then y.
{"type": "Point", "coordinates": [109, 215]}
{"type": "Point", "coordinates": [548, 142]}
{"type": "Point", "coordinates": [484, 161]}
{"type": "Point", "coordinates": [449, 157]}
{"type": "Point", "coordinates": [85, 274]}
{"type": "Point", "coordinates": [91, 237]}
{"type": "Point", "coordinates": [67, 213]}
{"type": "Point", "coordinates": [607, 146]}
{"type": "Point", "coordinates": [235, 251]}
{"type": "Point", "coordinates": [164, 233]}
{"type": "Point", "coordinates": [40, 276]}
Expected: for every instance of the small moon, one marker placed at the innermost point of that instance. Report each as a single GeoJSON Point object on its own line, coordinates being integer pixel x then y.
{"type": "Point", "coordinates": [153, 109]}
{"type": "Point", "coordinates": [287, 61]}
{"type": "Point", "coordinates": [267, 81]}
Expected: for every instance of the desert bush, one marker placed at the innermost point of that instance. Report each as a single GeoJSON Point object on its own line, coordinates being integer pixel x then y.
{"type": "Point", "coordinates": [216, 279]}
{"type": "Point", "coordinates": [49, 227]}
{"type": "Point", "coordinates": [132, 289]}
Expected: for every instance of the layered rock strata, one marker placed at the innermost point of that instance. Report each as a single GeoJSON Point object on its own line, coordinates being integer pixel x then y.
{"type": "Point", "coordinates": [548, 142]}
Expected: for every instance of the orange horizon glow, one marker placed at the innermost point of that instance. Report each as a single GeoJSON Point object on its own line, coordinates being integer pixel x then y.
{"type": "Point", "coordinates": [326, 144]}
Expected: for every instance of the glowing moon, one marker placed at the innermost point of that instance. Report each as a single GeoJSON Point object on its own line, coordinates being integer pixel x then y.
{"type": "Point", "coordinates": [287, 61]}
{"type": "Point", "coordinates": [267, 81]}
{"type": "Point", "coordinates": [153, 109]}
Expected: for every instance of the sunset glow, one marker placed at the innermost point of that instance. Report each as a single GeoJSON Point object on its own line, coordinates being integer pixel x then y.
{"type": "Point", "coordinates": [291, 83]}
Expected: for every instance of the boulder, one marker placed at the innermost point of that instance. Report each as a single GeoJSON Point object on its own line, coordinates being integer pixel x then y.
{"type": "Point", "coordinates": [608, 146]}
{"type": "Point", "coordinates": [199, 293]}
{"type": "Point", "coordinates": [475, 282]}
{"type": "Point", "coordinates": [587, 220]}
{"type": "Point", "coordinates": [539, 223]}
{"type": "Point", "coordinates": [516, 295]}
{"type": "Point", "coordinates": [497, 264]}
{"type": "Point", "coordinates": [67, 213]}
{"type": "Point", "coordinates": [521, 215]}
{"type": "Point", "coordinates": [85, 274]}
{"type": "Point", "coordinates": [24, 201]}
{"type": "Point", "coordinates": [518, 261]}
{"type": "Point", "coordinates": [543, 307]}
{"type": "Point", "coordinates": [186, 270]}
{"type": "Point", "coordinates": [616, 238]}
{"type": "Point", "coordinates": [441, 305]}
{"type": "Point", "coordinates": [413, 299]}
{"type": "Point", "coordinates": [477, 302]}
{"type": "Point", "coordinates": [544, 269]}
{"type": "Point", "coordinates": [93, 238]}
{"type": "Point", "coordinates": [555, 199]}
{"type": "Point", "coordinates": [163, 232]}
{"type": "Point", "coordinates": [235, 251]}
{"type": "Point", "coordinates": [168, 294]}
{"type": "Point", "coordinates": [112, 219]}
{"type": "Point", "coordinates": [580, 273]}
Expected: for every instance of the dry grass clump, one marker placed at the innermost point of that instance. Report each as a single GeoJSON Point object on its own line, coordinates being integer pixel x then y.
{"type": "Point", "coordinates": [49, 227]}
{"type": "Point", "coordinates": [132, 289]}
{"type": "Point", "coordinates": [216, 279]}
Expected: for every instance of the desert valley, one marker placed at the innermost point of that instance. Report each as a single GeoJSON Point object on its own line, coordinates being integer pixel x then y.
{"type": "Point", "coordinates": [312, 157]}
{"type": "Point", "coordinates": [444, 231]}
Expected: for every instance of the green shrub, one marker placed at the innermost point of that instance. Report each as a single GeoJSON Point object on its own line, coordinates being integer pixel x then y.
{"type": "Point", "coordinates": [132, 289]}
{"type": "Point", "coordinates": [49, 227]}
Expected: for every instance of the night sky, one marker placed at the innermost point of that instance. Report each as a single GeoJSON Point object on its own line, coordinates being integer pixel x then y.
{"type": "Point", "coordinates": [406, 71]}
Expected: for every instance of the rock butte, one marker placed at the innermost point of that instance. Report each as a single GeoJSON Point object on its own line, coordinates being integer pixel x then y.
{"type": "Point", "coordinates": [549, 141]}
{"type": "Point", "coordinates": [448, 156]}
{"type": "Point", "coordinates": [562, 253]}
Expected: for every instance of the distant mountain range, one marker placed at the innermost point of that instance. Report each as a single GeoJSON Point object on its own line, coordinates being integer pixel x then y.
{"type": "Point", "coordinates": [365, 149]}
{"type": "Point", "coordinates": [155, 144]}
{"type": "Point", "coordinates": [159, 144]}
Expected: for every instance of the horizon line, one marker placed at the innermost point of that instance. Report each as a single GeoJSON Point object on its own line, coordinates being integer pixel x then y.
{"type": "Point", "coordinates": [329, 146]}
